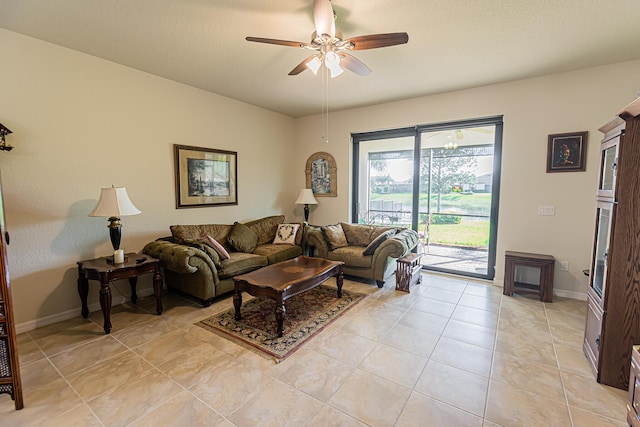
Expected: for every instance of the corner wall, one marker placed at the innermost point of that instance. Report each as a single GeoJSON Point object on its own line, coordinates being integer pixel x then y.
{"type": "Point", "coordinates": [81, 123]}
{"type": "Point", "coordinates": [532, 109]}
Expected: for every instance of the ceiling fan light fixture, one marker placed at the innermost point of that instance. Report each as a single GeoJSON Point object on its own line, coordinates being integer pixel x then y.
{"type": "Point", "coordinates": [332, 62]}
{"type": "Point", "coordinates": [314, 64]}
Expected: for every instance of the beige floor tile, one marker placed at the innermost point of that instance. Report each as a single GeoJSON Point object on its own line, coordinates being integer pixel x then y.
{"type": "Point", "coordinates": [475, 316]}
{"type": "Point", "coordinates": [532, 376]}
{"type": "Point", "coordinates": [411, 340]}
{"type": "Point", "coordinates": [41, 404]}
{"type": "Point", "coordinates": [29, 352]}
{"type": "Point", "coordinates": [88, 354]}
{"type": "Point", "coordinates": [426, 322]}
{"type": "Point", "coordinates": [278, 404]}
{"type": "Point", "coordinates": [394, 365]}
{"type": "Point", "coordinates": [470, 333]}
{"type": "Point", "coordinates": [343, 346]}
{"type": "Point", "coordinates": [228, 385]}
{"type": "Point", "coordinates": [573, 359]}
{"type": "Point", "coordinates": [509, 406]}
{"type": "Point", "coordinates": [464, 356]}
{"type": "Point", "coordinates": [183, 410]}
{"type": "Point", "coordinates": [133, 336]}
{"type": "Point", "coordinates": [441, 294]}
{"type": "Point", "coordinates": [330, 417]}
{"type": "Point", "coordinates": [479, 302]}
{"type": "Point", "coordinates": [108, 374]}
{"type": "Point", "coordinates": [449, 284]}
{"type": "Point", "coordinates": [374, 324]}
{"type": "Point", "coordinates": [424, 411]}
{"type": "Point", "coordinates": [79, 416]}
{"type": "Point", "coordinates": [433, 306]}
{"type": "Point", "coordinates": [567, 335]}
{"type": "Point", "coordinates": [215, 340]}
{"type": "Point", "coordinates": [38, 374]}
{"type": "Point", "coordinates": [523, 325]}
{"type": "Point", "coordinates": [370, 399]}
{"type": "Point", "coordinates": [522, 307]}
{"type": "Point", "coordinates": [529, 347]}
{"type": "Point", "coordinates": [494, 293]}
{"type": "Point", "coordinates": [454, 386]}
{"type": "Point", "coordinates": [490, 424]}
{"type": "Point", "coordinates": [189, 369]}
{"type": "Point", "coordinates": [166, 347]}
{"type": "Point", "coordinates": [122, 316]}
{"type": "Point", "coordinates": [399, 298]}
{"type": "Point", "coordinates": [584, 393]}
{"type": "Point", "coordinates": [133, 399]}
{"type": "Point", "coordinates": [582, 418]}
{"type": "Point", "coordinates": [74, 333]}
{"type": "Point", "coordinates": [316, 374]}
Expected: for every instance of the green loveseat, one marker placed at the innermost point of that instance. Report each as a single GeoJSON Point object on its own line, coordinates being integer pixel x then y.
{"type": "Point", "coordinates": [193, 266]}
{"type": "Point", "coordinates": [368, 252]}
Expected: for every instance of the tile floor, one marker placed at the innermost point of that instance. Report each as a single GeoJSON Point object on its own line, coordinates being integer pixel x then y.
{"type": "Point", "coordinates": [452, 353]}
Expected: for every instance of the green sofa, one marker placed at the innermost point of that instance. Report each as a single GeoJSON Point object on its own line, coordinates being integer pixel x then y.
{"type": "Point", "coordinates": [192, 265]}
{"type": "Point", "coordinates": [368, 252]}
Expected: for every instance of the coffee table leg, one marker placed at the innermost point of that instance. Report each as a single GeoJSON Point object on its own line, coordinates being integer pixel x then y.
{"type": "Point", "coordinates": [339, 279]}
{"type": "Point", "coordinates": [280, 312]}
{"type": "Point", "coordinates": [237, 302]}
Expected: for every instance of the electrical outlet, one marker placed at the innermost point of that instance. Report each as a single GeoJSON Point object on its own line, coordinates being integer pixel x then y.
{"type": "Point", "coordinates": [546, 210]}
{"type": "Point", "coordinates": [564, 265]}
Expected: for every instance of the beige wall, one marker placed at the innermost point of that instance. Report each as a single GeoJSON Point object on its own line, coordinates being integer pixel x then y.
{"type": "Point", "coordinates": [532, 109]}
{"type": "Point", "coordinates": [81, 123]}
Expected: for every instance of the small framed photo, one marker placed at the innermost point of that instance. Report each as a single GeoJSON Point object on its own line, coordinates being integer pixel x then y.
{"type": "Point", "coordinates": [567, 152]}
{"type": "Point", "coordinates": [205, 177]}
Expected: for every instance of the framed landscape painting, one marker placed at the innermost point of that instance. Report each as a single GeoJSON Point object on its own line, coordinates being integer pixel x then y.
{"type": "Point", "coordinates": [205, 177]}
{"type": "Point", "coordinates": [567, 152]}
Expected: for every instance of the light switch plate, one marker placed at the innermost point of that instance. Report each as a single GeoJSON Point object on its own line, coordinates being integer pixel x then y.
{"type": "Point", "coordinates": [546, 210]}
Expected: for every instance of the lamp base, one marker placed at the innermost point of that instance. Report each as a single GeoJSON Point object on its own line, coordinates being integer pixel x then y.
{"type": "Point", "coordinates": [115, 232]}
{"type": "Point", "coordinates": [306, 213]}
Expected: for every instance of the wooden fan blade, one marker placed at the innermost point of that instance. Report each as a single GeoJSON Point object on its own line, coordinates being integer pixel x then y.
{"type": "Point", "coordinates": [374, 41]}
{"type": "Point", "coordinates": [276, 41]}
{"type": "Point", "coordinates": [353, 64]}
{"type": "Point", "coordinates": [323, 18]}
{"type": "Point", "coordinates": [300, 67]}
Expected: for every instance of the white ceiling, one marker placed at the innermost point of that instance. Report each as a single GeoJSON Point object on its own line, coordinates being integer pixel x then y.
{"type": "Point", "coordinates": [453, 44]}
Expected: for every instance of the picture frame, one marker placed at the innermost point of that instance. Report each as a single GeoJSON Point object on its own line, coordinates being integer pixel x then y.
{"type": "Point", "coordinates": [321, 173]}
{"type": "Point", "coordinates": [567, 152]}
{"type": "Point", "coordinates": [205, 177]}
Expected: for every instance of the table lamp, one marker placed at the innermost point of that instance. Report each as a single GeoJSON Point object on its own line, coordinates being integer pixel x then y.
{"type": "Point", "coordinates": [306, 198]}
{"type": "Point", "coordinates": [114, 202]}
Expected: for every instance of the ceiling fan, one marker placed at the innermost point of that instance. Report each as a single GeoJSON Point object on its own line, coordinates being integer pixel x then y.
{"type": "Point", "coordinates": [331, 49]}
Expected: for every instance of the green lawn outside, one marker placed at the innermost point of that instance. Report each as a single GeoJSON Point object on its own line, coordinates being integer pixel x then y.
{"type": "Point", "coordinates": [470, 233]}
{"type": "Point", "coordinates": [470, 204]}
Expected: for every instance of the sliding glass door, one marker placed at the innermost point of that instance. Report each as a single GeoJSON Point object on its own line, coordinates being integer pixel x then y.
{"type": "Point", "coordinates": [441, 180]}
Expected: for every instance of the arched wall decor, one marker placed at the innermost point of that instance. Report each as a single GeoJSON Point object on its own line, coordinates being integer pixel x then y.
{"type": "Point", "coordinates": [321, 172]}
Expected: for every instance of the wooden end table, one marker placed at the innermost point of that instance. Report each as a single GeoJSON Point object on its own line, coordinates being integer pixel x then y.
{"type": "Point", "coordinates": [408, 270]}
{"type": "Point", "coordinates": [544, 289]}
{"type": "Point", "coordinates": [105, 271]}
{"type": "Point", "coordinates": [285, 279]}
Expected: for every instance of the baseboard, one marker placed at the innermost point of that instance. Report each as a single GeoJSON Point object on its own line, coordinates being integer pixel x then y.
{"type": "Point", "coordinates": [582, 296]}
{"type": "Point", "coordinates": [70, 314]}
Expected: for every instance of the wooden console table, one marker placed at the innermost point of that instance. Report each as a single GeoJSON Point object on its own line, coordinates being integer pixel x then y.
{"type": "Point", "coordinates": [545, 263]}
{"type": "Point", "coordinates": [105, 271]}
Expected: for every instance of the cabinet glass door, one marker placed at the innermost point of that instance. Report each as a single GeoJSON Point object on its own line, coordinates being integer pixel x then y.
{"type": "Point", "coordinates": [609, 159]}
{"type": "Point", "coordinates": [603, 234]}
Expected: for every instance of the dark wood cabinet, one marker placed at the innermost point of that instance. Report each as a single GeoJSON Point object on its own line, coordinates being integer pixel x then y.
{"type": "Point", "coordinates": [9, 367]}
{"type": "Point", "coordinates": [613, 314]}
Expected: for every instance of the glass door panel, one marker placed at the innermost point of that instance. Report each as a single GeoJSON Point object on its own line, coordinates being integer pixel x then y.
{"type": "Point", "coordinates": [603, 233]}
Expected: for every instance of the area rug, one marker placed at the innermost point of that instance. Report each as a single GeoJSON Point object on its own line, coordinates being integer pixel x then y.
{"type": "Point", "coordinates": [306, 315]}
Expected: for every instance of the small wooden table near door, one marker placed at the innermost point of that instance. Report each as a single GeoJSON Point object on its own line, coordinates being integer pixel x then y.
{"type": "Point", "coordinates": [105, 271]}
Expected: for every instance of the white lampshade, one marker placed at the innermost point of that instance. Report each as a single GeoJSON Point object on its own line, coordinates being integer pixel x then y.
{"type": "Point", "coordinates": [306, 197]}
{"type": "Point", "coordinates": [114, 202]}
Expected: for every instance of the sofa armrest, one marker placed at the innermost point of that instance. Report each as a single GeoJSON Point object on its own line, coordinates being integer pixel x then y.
{"type": "Point", "coordinates": [395, 246]}
{"type": "Point", "coordinates": [180, 258]}
{"type": "Point", "coordinates": [315, 242]}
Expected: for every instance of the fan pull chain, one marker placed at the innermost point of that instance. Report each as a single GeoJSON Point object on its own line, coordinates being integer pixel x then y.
{"type": "Point", "coordinates": [325, 103]}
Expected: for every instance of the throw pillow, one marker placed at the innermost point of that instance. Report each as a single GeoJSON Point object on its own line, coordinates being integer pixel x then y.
{"type": "Point", "coordinates": [357, 234]}
{"type": "Point", "coordinates": [286, 234]}
{"type": "Point", "coordinates": [242, 238]}
{"type": "Point", "coordinates": [371, 248]}
{"type": "Point", "coordinates": [217, 246]}
{"type": "Point", "coordinates": [335, 236]}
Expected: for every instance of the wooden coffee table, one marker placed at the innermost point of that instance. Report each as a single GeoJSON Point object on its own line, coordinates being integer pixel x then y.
{"type": "Point", "coordinates": [285, 279]}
